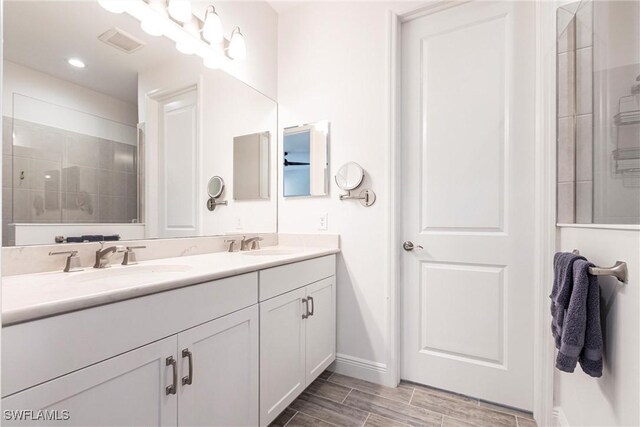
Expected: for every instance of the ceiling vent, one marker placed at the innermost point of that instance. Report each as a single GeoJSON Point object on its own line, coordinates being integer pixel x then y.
{"type": "Point", "coordinates": [121, 40]}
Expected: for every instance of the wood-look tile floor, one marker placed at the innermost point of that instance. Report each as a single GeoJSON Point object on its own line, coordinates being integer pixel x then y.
{"type": "Point", "coordinates": [338, 400]}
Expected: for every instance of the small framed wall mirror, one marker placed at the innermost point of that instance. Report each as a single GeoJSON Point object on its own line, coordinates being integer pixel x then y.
{"type": "Point", "coordinates": [306, 160]}
{"type": "Point", "coordinates": [251, 166]}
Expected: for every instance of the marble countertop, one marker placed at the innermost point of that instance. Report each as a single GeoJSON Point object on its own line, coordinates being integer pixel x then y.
{"type": "Point", "coordinates": [31, 296]}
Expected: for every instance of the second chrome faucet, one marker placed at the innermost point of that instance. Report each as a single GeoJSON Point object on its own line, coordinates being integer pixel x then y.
{"type": "Point", "coordinates": [104, 254]}
{"type": "Point", "coordinates": [250, 244]}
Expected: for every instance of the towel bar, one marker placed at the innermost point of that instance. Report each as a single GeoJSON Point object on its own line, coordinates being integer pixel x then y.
{"type": "Point", "coordinates": [619, 270]}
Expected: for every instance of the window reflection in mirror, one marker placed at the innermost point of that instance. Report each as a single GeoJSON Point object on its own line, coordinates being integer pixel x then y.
{"type": "Point", "coordinates": [305, 160]}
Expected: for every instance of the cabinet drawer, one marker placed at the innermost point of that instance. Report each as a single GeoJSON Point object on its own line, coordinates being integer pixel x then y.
{"type": "Point", "coordinates": [35, 352]}
{"type": "Point", "coordinates": [279, 280]}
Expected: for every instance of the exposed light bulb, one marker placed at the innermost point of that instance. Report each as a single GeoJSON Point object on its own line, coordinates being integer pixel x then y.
{"type": "Point", "coordinates": [180, 10]}
{"type": "Point", "coordinates": [114, 6]}
{"type": "Point", "coordinates": [154, 20]}
{"type": "Point", "coordinates": [212, 28]}
{"type": "Point", "coordinates": [237, 47]}
{"type": "Point", "coordinates": [78, 63]}
{"type": "Point", "coordinates": [188, 42]}
{"type": "Point", "coordinates": [152, 25]}
{"type": "Point", "coordinates": [185, 46]}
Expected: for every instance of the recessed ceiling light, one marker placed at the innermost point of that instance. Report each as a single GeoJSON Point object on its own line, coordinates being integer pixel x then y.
{"type": "Point", "coordinates": [76, 62]}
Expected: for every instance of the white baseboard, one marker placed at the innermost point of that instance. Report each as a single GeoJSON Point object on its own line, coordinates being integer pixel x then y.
{"type": "Point", "coordinates": [363, 369]}
{"type": "Point", "coordinates": [559, 417]}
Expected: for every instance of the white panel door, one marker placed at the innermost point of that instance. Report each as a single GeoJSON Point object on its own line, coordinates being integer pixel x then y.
{"type": "Point", "coordinates": [282, 348]}
{"type": "Point", "coordinates": [222, 389]}
{"type": "Point", "coordinates": [467, 179]}
{"type": "Point", "coordinates": [320, 328]}
{"type": "Point", "coordinates": [178, 209]}
{"type": "Point", "coordinates": [127, 390]}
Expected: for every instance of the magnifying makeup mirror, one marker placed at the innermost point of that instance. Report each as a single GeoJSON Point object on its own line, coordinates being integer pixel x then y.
{"type": "Point", "coordinates": [215, 188]}
{"type": "Point", "coordinates": [349, 178]}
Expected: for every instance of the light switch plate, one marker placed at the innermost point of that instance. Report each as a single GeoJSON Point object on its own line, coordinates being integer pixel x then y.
{"type": "Point", "coordinates": [323, 220]}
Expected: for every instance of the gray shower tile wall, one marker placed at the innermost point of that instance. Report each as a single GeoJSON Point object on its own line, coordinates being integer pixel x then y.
{"type": "Point", "coordinates": [565, 154]}
{"type": "Point", "coordinates": [584, 113]}
{"type": "Point", "coordinates": [575, 118]}
{"type": "Point", "coordinates": [61, 176]}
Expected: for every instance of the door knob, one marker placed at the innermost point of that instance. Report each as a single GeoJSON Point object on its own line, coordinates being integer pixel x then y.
{"type": "Point", "coordinates": [409, 246]}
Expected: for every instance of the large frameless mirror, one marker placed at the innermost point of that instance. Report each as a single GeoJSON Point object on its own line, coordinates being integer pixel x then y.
{"type": "Point", "coordinates": [598, 112]}
{"type": "Point", "coordinates": [306, 160]}
{"type": "Point", "coordinates": [109, 132]}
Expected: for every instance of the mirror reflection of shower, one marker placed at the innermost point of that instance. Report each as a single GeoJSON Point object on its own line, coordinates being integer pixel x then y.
{"type": "Point", "coordinates": [598, 107]}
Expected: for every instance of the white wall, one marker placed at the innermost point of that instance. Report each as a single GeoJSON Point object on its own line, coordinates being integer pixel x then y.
{"type": "Point", "coordinates": [333, 64]}
{"type": "Point", "coordinates": [611, 400]}
{"type": "Point", "coordinates": [35, 84]}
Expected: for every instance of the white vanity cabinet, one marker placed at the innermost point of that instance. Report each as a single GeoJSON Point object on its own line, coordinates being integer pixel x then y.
{"type": "Point", "coordinates": [126, 390]}
{"type": "Point", "coordinates": [228, 352]}
{"type": "Point", "coordinates": [138, 386]}
{"type": "Point", "coordinates": [207, 375]}
{"type": "Point", "coordinates": [297, 330]}
{"type": "Point", "coordinates": [223, 388]}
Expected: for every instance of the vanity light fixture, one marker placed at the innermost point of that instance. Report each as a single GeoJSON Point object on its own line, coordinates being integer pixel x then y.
{"type": "Point", "coordinates": [154, 20]}
{"type": "Point", "coordinates": [75, 62]}
{"type": "Point", "coordinates": [188, 41]}
{"type": "Point", "coordinates": [192, 35]}
{"type": "Point", "coordinates": [180, 10]}
{"type": "Point", "coordinates": [114, 6]}
{"type": "Point", "coordinates": [212, 28]}
{"type": "Point", "coordinates": [237, 47]}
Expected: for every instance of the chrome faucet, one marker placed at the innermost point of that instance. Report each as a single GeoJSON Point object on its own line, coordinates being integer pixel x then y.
{"type": "Point", "coordinates": [103, 255]}
{"type": "Point", "coordinates": [252, 243]}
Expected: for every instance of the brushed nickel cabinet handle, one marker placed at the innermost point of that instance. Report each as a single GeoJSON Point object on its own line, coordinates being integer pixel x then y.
{"type": "Point", "coordinates": [188, 380]}
{"type": "Point", "coordinates": [171, 389]}
{"type": "Point", "coordinates": [313, 305]}
{"type": "Point", "coordinates": [306, 303]}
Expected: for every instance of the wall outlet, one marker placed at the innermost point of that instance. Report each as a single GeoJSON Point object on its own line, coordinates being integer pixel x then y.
{"type": "Point", "coordinates": [323, 219]}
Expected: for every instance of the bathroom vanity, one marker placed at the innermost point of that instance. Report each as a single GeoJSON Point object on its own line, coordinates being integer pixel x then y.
{"type": "Point", "coordinates": [213, 339]}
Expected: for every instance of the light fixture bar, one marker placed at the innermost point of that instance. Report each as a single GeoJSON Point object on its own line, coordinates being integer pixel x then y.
{"type": "Point", "coordinates": [174, 31]}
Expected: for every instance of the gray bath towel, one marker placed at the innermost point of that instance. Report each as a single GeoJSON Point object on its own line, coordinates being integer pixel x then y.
{"type": "Point", "coordinates": [591, 354]}
{"type": "Point", "coordinates": [578, 332]}
{"type": "Point", "coordinates": [561, 292]}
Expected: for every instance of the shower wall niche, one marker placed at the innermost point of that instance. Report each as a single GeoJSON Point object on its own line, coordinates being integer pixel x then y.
{"type": "Point", "coordinates": [66, 166]}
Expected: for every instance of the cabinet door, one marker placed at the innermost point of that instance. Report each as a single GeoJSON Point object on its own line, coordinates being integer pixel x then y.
{"type": "Point", "coordinates": [223, 389]}
{"type": "Point", "coordinates": [282, 348]}
{"type": "Point", "coordinates": [320, 328]}
{"type": "Point", "coordinates": [127, 390]}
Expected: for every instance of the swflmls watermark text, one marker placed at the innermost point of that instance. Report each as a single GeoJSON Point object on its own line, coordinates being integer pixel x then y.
{"type": "Point", "coordinates": [39, 415]}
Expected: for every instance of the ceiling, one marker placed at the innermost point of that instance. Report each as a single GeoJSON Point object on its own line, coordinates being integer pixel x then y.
{"type": "Point", "coordinates": [43, 34]}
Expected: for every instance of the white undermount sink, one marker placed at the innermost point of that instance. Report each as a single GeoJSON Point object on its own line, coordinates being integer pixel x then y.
{"type": "Point", "coordinates": [131, 271]}
{"type": "Point", "coordinates": [270, 252]}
